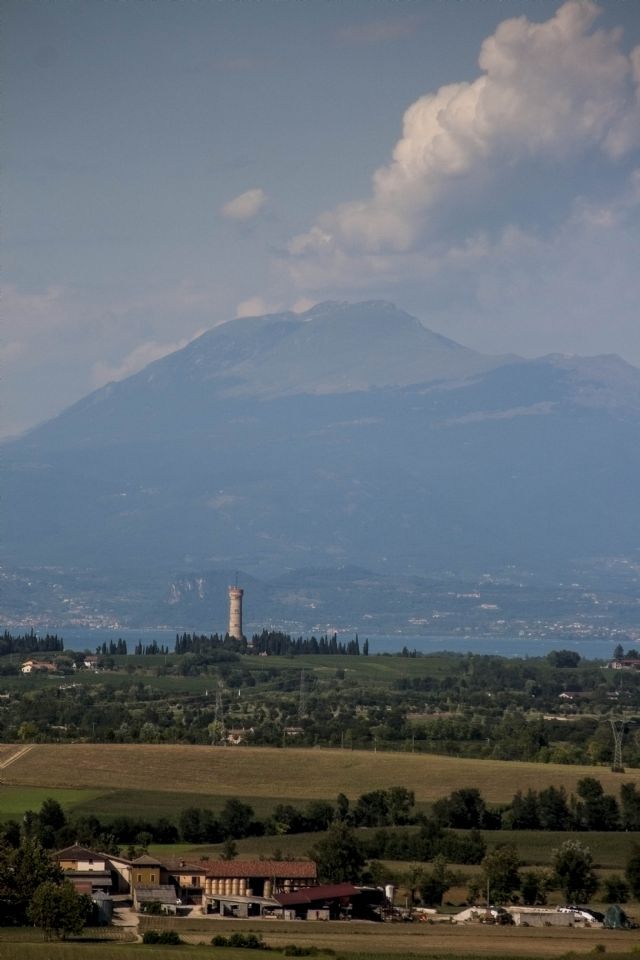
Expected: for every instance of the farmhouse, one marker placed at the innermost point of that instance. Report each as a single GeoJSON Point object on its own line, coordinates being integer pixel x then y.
{"type": "Point", "coordinates": [88, 871]}
{"type": "Point", "coordinates": [35, 666]}
{"type": "Point", "coordinates": [237, 735]}
{"type": "Point", "coordinates": [187, 878]}
{"type": "Point", "coordinates": [145, 872]}
{"type": "Point", "coordinates": [630, 664]}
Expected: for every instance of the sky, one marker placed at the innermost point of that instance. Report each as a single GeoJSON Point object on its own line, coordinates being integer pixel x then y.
{"type": "Point", "coordinates": [171, 165]}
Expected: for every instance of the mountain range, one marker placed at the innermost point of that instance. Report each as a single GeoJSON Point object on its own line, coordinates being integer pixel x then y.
{"type": "Point", "coordinates": [347, 435]}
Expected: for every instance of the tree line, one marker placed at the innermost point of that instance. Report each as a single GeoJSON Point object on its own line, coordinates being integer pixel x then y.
{"type": "Point", "coordinates": [272, 642]}
{"type": "Point", "coordinates": [113, 648]}
{"type": "Point", "coordinates": [30, 643]}
{"type": "Point", "coordinates": [551, 808]}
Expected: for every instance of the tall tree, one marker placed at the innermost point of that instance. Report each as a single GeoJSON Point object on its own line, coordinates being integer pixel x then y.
{"type": "Point", "coordinates": [632, 871]}
{"type": "Point", "coordinates": [22, 870]}
{"type": "Point", "coordinates": [596, 810]}
{"type": "Point", "coordinates": [339, 855]}
{"type": "Point", "coordinates": [236, 819]}
{"type": "Point", "coordinates": [574, 869]}
{"type": "Point", "coordinates": [500, 871]}
{"type": "Point", "coordinates": [58, 910]}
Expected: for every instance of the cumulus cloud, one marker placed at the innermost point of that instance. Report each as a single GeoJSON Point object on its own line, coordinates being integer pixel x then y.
{"type": "Point", "coordinates": [246, 206]}
{"type": "Point", "coordinates": [136, 359]}
{"type": "Point", "coordinates": [548, 93]}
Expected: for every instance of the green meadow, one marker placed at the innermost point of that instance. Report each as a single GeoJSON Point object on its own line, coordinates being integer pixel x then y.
{"type": "Point", "coordinates": [15, 800]}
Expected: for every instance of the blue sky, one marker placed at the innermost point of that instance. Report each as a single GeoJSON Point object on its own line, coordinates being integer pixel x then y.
{"type": "Point", "coordinates": [170, 165]}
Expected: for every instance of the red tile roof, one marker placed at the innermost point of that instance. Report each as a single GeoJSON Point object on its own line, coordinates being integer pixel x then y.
{"type": "Point", "coordinates": [280, 869]}
{"type": "Point", "coordinates": [77, 852]}
{"type": "Point", "coordinates": [308, 895]}
{"type": "Point", "coordinates": [180, 865]}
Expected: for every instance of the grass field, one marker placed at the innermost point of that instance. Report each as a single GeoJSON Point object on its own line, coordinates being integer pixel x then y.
{"type": "Point", "coordinates": [535, 847]}
{"type": "Point", "coordinates": [357, 941]}
{"type": "Point", "coordinates": [292, 773]}
{"type": "Point", "coordinates": [416, 939]}
{"type": "Point", "coordinates": [15, 800]}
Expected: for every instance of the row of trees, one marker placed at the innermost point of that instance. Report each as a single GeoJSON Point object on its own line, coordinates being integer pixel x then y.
{"type": "Point", "coordinates": [30, 643]}
{"type": "Point", "coordinates": [51, 827]}
{"type": "Point", "coordinates": [280, 644]}
{"type": "Point", "coordinates": [115, 648]}
{"type": "Point", "coordinates": [590, 808]}
{"type": "Point", "coordinates": [464, 809]}
{"type": "Point", "coordinates": [149, 649]}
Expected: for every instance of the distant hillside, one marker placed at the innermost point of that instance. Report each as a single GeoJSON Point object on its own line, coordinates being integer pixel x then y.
{"type": "Point", "coordinates": [347, 435]}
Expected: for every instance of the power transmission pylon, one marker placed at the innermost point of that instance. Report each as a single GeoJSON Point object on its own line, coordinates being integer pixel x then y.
{"type": "Point", "coordinates": [617, 728]}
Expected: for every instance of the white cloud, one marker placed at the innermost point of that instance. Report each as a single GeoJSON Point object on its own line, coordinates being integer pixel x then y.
{"type": "Point", "coordinates": [145, 353]}
{"type": "Point", "coordinates": [246, 206]}
{"type": "Point", "coordinates": [254, 307]}
{"type": "Point", "coordinates": [68, 344]}
{"type": "Point", "coordinates": [303, 304]}
{"type": "Point", "coordinates": [548, 93]}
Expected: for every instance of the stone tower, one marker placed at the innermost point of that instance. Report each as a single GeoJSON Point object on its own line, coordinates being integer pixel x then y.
{"type": "Point", "coordinates": [235, 612]}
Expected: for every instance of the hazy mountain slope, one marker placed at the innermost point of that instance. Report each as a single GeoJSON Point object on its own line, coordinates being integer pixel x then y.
{"type": "Point", "coordinates": [331, 349]}
{"type": "Point", "coordinates": [224, 455]}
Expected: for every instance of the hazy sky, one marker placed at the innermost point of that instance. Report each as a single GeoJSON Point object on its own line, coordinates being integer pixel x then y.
{"type": "Point", "coordinates": [170, 165]}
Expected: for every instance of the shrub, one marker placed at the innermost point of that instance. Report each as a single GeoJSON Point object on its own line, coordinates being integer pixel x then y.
{"type": "Point", "coordinates": [292, 950]}
{"type": "Point", "coordinates": [169, 937]}
{"type": "Point", "coordinates": [150, 936]}
{"type": "Point", "coordinates": [249, 941]}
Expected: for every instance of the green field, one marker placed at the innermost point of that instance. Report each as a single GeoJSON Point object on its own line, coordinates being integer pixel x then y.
{"type": "Point", "coordinates": [15, 800]}
{"type": "Point", "coordinates": [161, 781]}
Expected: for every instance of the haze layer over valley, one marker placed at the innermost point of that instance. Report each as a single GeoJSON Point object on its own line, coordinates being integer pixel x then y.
{"type": "Point", "coordinates": [349, 435]}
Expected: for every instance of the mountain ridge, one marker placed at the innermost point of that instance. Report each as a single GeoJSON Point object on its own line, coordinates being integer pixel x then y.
{"type": "Point", "coordinates": [482, 463]}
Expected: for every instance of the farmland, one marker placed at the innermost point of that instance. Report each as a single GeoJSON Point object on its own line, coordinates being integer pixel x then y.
{"type": "Point", "coordinates": [351, 941]}
{"type": "Point", "coordinates": [357, 941]}
{"type": "Point", "coordinates": [292, 773]}
{"type": "Point", "coordinates": [553, 709]}
{"type": "Point", "coordinates": [163, 781]}
{"type": "Point", "coordinates": [110, 779]}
